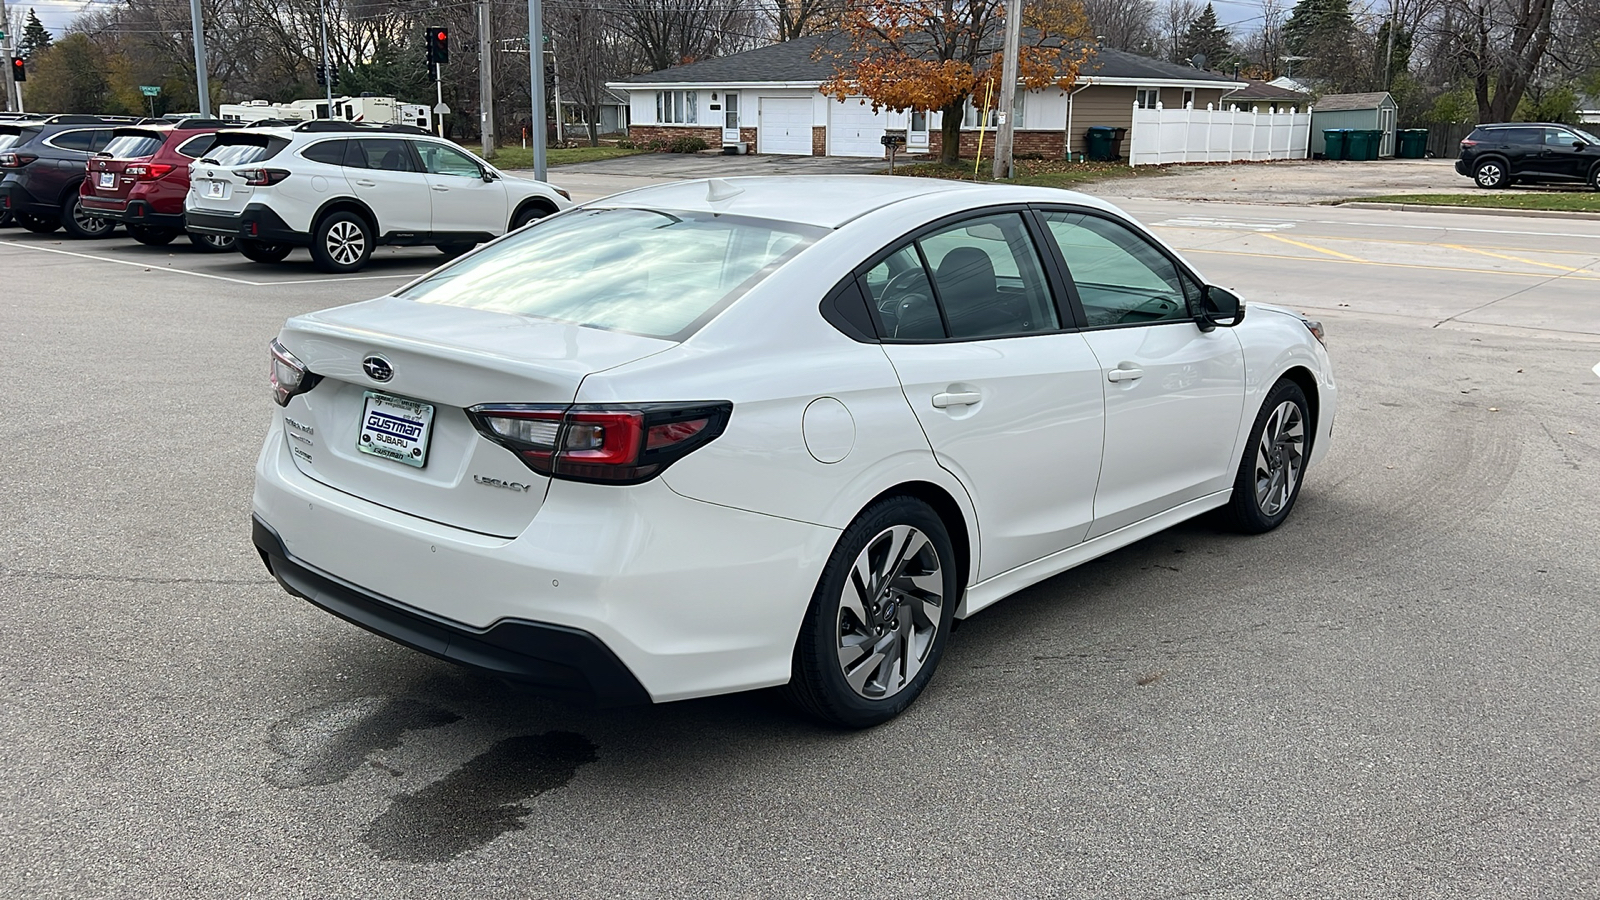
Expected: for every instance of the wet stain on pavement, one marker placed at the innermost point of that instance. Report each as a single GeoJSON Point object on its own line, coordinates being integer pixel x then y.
{"type": "Point", "coordinates": [478, 802]}
{"type": "Point", "coordinates": [324, 745]}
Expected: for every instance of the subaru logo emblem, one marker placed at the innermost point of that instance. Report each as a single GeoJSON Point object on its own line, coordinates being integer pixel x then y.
{"type": "Point", "coordinates": [377, 368]}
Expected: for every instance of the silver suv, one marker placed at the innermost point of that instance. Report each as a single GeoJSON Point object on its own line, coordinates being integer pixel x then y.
{"type": "Point", "coordinates": [342, 188]}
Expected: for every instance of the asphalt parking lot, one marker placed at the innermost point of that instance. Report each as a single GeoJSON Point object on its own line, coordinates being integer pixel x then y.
{"type": "Point", "coordinates": [1393, 695]}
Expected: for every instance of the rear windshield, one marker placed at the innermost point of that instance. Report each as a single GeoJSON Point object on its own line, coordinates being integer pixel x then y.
{"type": "Point", "coordinates": [134, 144]}
{"type": "Point", "coordinates": [10, 137]}
{"type": "Point", "coordinates": [649, 272]}
{"type": "Point", "coordinates": [233, 149]}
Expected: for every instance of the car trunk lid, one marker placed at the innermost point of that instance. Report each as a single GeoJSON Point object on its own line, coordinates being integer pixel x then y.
{"type": "Point", "coordinates": [439, 361]}
{"type": "Point", "coordinates": [125, 161]}
{"type": "Point", "coordinates": [220, 181]}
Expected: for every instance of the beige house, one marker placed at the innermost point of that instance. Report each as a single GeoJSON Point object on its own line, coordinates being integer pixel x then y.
{"type": "Point", "coordinates": [769, 100]}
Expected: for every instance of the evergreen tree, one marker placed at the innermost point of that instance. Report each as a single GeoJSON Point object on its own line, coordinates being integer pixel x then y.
{"type": "Point", "coordinates": [1324, 32]}
{"type": "Point", "coordinates": [34, 36]}
{"type": "Point", "coordinates": [1205, 37]}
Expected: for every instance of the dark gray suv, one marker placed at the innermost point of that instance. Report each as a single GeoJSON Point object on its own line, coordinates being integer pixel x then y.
{"type": "Point", "coordinates": [43, 162]}
{"type": "Point", "coordinates": [1498, 156]}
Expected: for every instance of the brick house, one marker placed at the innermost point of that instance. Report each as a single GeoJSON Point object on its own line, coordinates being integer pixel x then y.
{"type": "Point", "coordinates": [768, 99]}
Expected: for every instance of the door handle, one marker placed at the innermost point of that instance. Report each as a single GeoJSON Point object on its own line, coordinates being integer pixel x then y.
{"type": "Point", "coordinates": [441, 189]}
{"type": "Point", "coordinates": [1121, 374]}
{"type": "Point", "coordinates": [364, 183]}
{"type": "Point", "coordinates": [946, 399]}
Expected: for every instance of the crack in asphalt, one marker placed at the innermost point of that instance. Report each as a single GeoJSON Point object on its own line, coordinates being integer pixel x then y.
{"type": "Point", "coordinates": [124, 579]}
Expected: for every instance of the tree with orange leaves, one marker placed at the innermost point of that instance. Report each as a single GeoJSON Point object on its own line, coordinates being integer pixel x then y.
{"type": "Point", "coordinates": [935, 54]}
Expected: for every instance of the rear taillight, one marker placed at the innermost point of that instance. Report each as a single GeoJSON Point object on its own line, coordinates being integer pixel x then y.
{"type": "Point", "coordinates": [1466, 143]}
{"type": "Point", "coordinates": [602, 443]}
{"type": "Point", "coordinates": [149, 171]}
{"type": "Point", "coordinates": [289, 376]}
{"type": "Point", "coordinates": [15, 160]}
{"type": "Point", "coordinates": [261, 177]}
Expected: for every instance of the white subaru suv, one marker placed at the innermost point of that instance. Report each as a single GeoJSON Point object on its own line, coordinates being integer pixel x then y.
{"type": "Point", "coordinates": [342, 188]}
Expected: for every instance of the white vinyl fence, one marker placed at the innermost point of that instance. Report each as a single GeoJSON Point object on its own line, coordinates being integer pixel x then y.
{"type": "Point", "coordinates": [1187, 135]}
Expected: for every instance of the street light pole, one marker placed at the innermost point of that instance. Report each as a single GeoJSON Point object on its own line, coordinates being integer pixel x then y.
{"type": "Point", "coordinates": [485, 82]}
{"type": "Point", "coordinates": [327, 70]}
{"type": "Point", "coordinates": [536, 72]}
{"type": "Point", "coordinates": [5, 52]}
{"type": "Point", "coordinates": [1008, 90]}
{"type": "Point", "coordinates": [202, 85]}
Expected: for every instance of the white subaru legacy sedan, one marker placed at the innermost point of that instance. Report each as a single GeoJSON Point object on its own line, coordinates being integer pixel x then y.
{"type": "Point", "coordinates": [721, 435]}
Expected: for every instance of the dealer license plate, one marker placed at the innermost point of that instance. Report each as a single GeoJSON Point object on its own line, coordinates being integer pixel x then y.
{"type": "Point", "coordinates": [214, 190]}
{"type": "Point", "coordinates": [108, 179]}
{"type": "Point", "coordinates": [396, 428]}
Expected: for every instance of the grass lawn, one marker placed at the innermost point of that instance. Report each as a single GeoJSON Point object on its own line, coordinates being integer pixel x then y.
{"type": "Point", "coordinates": [1054, 173]}
{"type": "Point", "coordinates": [522, 158]}
{"type": "Point", "coordinates": [1569, 201]}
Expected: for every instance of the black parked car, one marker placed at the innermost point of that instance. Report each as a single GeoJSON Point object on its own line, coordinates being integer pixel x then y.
{"type": "Point", "coordinates": [1497, 156]}
{"type": "Point", "coordinates": [43, 161]}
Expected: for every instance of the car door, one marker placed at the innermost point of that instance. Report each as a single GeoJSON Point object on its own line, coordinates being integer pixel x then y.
{"type": "Point", "coordinates": [1173, 393]}
{"type": "Point", "coordinates": [1009, 399]}
{"type": "Point", "coordinates": [388, 179]}
{"type": "Point", "coordinates": [1567, 156]}
{"type": "Point", "coordinates": [462, 202]}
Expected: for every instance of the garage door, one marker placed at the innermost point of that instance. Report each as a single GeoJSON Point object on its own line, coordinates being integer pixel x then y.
{"type": "Point", "coordinates": [854, 129]}
{"type": "Point", "coordinates": [785, 126]}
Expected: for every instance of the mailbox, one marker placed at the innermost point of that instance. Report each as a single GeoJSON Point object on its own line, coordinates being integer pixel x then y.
{"type": "Point", "coordinates": [893, 138]}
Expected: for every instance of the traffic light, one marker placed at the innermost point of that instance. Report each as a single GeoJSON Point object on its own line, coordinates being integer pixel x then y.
{"type": "Point", "coordinates": [438, 45]}
{"type": "Point", "coordinates": [322, 76]}
{"type": "Point", "coordinates": [19, 69]}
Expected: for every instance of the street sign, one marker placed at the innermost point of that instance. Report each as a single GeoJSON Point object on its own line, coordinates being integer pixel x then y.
{"type": "Point", "coordinates": [150, 90]}
{"type": "Point", "coordinates": [442, 109]}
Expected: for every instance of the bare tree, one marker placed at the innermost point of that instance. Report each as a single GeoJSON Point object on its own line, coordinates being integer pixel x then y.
{"type": "Point", "coordinates": [673, 32]}
{"type": "Point", "coordinates": [1123, 24]}
{"type": "Point", "coordinates": [1173, 24]}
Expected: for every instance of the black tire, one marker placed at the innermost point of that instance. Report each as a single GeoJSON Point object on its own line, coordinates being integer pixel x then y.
{"type": "Point", "coordinates": [1260, 501]}
{"type": "Point", "coordinates": [80, 224]}
{"type": "Point", "coordinates": [528, 214]}
{"type": "Point", "coordinates": [1491, 174]}
{"type": "Point", "coordinates": [263, 252]}
{"type": "Point", "coordinates": [153, 237]}
{"type": "Point", "coordinates": [214, 243]}
{"type": "Point", "coordinates": [818, 683]}
{"type": "Point", "coordinates": [5, 217]}
{"type": "Point", "coordinates": [454, 250]}
{"type": "Point", "coordinates": [342, 242]}
{"type": "Point", "coordinates": [36, 224]}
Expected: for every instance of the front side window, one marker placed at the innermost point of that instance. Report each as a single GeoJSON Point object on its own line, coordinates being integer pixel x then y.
{"type": "Point", "coordinates": [1559, 138]}
{"type": "Point", "coordinates": [677, 107]}
{"type": "Point", "coordinates": [980, 278]}
{"type": "Point", "coordinates": [1122, 279]}
{"type": "Point", "coordinates": [438, 159]}
{"type": "Point", "coordinates": [650, 272]}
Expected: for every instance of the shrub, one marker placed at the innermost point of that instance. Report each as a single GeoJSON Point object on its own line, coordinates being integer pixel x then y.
{"type": "Point", "coordinates": [687, 145]}
{"type": "Point", "coordinates": [625, 145]}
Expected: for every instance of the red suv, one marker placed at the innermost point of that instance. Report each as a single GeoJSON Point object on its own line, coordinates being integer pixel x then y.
{"type": "Point", "coordinates": [141, 177]}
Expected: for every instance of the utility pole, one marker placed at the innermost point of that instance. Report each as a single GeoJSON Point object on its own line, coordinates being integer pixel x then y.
{"type": "Point", "coordinates": [536, 71]}
{"type": "Point", "coordinates": [1008, 90]}
{"type": "Point", "coordinates": [1388, 56]}
{"type": "Point", "coordinates": [327, 70]}
{"type": "Point", "coordinates": [7, 52]}
{"type": "Point", "coordinates": [485, 81]}
{"type": "Point", "coordinates": [555, 86]}
{"type": "Point", "coordinates": [202, 85]}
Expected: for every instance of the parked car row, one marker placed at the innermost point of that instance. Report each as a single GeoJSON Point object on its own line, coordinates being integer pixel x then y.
{"type": "Point", "coordinates": [338, 189]}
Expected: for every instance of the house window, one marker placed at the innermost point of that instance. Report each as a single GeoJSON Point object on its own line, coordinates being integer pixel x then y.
{"type": "Point", "coordinates": [1147, 98]}
{"type": "Point", "coordinates": [970, 116]}
{"type": "Point", "coordinates": [677, 107]}
{"type": "Point", "coordinates": [1188, 98]}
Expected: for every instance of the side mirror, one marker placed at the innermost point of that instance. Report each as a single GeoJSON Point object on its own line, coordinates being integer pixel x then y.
{"type": "Point", "coordinates": [488, 176]}
{"type": "Point", "coordinates": [1578, 145]}
{"type": "Point", "coordinates": [1218, 307]}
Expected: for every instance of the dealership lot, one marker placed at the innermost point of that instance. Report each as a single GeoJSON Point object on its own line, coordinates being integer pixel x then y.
{"type": "Point", "coordinates": [1392, 695]}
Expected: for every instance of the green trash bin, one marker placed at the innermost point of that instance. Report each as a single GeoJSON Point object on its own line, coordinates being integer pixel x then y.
{"type": "Point", "coordinates": [1333, 140]}
{"type": "Point", "coordinates": [1413, 143]}
{"type": "Point", "coordinates": [1098, 142]}
{"type": "Point", "coordinates": [1375, 145]}
{"type": "Point", "coordinates": [1358, 145]}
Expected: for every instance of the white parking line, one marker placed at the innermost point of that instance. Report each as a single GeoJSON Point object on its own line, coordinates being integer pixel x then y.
{"type": "Point", "coordinates": [155, 268]}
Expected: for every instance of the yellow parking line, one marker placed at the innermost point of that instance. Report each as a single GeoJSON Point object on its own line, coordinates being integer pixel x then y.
{"type": "Point", "coordinates": [1388, 265]}
{"type": "Point", "coordinates": [1526, 262]}
{"type": "Point", "coordinates": [1346, 256]}
{"type": "Point", "coordinates": [1371, 240]}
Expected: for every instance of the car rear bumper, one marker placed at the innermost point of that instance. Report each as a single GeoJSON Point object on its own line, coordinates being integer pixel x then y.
{"type": "Point", "coordinates": [690, 598]}
{"type": "Point", "coordinates": [132, 212]}
{"type": "Point", "coordinates": [1461, 167]}
{"type": "Point", "coordinates": [16, 198]}
{"type": "Point", "coordinates": [254, 223]}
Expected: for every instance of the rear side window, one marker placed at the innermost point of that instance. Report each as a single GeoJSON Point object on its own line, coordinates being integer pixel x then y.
{"type": "Point", "coordinates": [243, 149]}
{"type": "Point", "coordinates": [385, 154]}
{"type": "Point", "coordinates": [1521, 135]}
{"type": "Point", "coordinates": [196, 147]}
{"type": "Point", "coordinates": [650, 272]}
{"type": "Point", "coordinates": [81, 139]}
{"type": "Point", "coordinates": [327, 152]}
{"type": "Point", "coordinates": [134, 144]}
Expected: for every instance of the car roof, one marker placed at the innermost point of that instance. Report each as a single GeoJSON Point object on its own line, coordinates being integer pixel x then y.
{"type": "Point", "coordinates": [1493, 125]}
{"type": "Point", "coordinates": [829, 201]}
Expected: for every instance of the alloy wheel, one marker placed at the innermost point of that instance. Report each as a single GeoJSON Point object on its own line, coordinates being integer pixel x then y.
{"type": "Point", "coordinates": [889, 612]}
{"type": "Point", "coordinates": [1280, 455]}
{"type": "Point", "coordinates": [1489, 174]}
{"type": "Point", "coordinates": [93, 226]}
{"type": "Point", "coordinates": [346, 243]}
